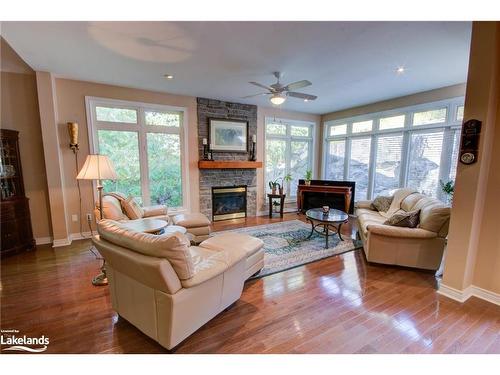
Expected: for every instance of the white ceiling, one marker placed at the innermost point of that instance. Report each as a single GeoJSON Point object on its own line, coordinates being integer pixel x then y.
{"type": "Point", "coordinates": [348, 63]}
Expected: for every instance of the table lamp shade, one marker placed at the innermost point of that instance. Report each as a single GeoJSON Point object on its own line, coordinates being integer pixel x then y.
{"type": "Point", "coordinates": [97, 167]}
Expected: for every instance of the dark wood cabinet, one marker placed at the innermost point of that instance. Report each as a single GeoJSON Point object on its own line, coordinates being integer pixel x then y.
{"type": "Point", "coordinates": [15, 221]}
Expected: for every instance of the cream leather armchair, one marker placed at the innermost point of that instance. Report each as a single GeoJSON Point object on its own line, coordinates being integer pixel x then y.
{"type": "Point", "coordinates": [164, 287]}
{"type": "Point", "coordinates": [196, 224]}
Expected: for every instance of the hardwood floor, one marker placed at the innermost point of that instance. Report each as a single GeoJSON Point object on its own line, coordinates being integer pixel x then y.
{"type": "Point", "coordinates": [337, 305]}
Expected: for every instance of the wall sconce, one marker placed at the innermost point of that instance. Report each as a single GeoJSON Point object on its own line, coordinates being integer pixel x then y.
{"type": "Point", "coordinates": [73, 136]}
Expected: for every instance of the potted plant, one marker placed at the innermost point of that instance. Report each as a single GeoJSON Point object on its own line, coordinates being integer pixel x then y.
{"type": "Point", "coordinates": [448, 189]}
{"type": "Point", "coordinates": [274, 185]}
{"type": "Point", "coordinates": [308, 177]}
{"type": "Point", "coordinates": [285, 179]}
{"type": "Point", "coordinates": [276, 206]}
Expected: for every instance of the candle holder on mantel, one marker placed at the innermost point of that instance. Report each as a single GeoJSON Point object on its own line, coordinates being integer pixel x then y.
{"type": "Point", "coordinates": [253, 151]}
{"type": "Point", "coordinates": [206, 151]}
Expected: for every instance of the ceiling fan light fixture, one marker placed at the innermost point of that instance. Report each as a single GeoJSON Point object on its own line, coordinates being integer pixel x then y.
{"type": "Point", "coordinates": [278, 98]}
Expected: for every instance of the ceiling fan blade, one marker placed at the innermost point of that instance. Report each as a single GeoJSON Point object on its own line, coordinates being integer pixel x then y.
{"type": "Point", "coordinates": [251, 96]}
{"type": "Point", "coordinates": [261, 85]}
{"type": "Point", "coordinates": [298, 85]}
{"type": "Point", "coordinates": [301, 95]}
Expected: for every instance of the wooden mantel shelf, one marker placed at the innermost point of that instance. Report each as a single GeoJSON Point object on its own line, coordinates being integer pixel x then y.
{"type": "Point", "coordinates": [229, 164]}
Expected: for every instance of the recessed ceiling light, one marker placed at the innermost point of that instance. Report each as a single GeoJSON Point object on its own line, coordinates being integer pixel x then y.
{"type": "Point", "coordinates": [168, 76]}
{"type": "Point", "coordinates": [306, 100]}
{"type": "Point", "coordinates": [400, 70]}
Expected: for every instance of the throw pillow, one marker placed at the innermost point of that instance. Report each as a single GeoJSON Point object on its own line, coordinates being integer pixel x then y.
{"type": "Point", "coordinates": [382, 204]}
{"type": "Point", "coordinates": [132, 208]}
{"type": "Point", "coordinates": [405, 219]}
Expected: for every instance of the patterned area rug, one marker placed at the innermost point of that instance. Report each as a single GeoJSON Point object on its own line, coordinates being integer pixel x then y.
{"type": "Point", "coordinates": [286, 245]}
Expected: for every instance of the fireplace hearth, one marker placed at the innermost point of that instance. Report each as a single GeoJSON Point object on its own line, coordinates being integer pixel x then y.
{"type": "Point", "coordinates": [229, 202]}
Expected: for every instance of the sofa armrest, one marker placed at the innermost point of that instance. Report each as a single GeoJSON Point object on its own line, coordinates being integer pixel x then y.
{"type": "Point", "coordinates": [391, 231]}
{"type": "Point", "coordinates": [155, 210]}
{"type": "Point", "coordinates": [363, 204]}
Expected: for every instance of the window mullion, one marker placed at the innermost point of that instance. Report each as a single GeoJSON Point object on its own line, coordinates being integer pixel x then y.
{"type": "Point", "coordinates": [371, 167]}
{"type": "Point", "coordinates": [143, 159]}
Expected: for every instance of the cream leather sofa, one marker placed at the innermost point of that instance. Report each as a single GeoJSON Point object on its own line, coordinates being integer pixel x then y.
{"type": "Point", "coordinates": [420, 247]}
{"type": "Point", "coordinates": [166, 288]}
{"type": "Point", "coordinates": [196, 224]}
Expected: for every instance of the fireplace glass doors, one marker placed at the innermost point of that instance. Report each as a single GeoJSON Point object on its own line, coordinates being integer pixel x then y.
{"type": "Point", "coordinates": [229, 202]}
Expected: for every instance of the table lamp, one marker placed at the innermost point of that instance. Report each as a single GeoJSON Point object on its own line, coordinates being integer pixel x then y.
{"type": "Point", "coordinates": [98, 167]}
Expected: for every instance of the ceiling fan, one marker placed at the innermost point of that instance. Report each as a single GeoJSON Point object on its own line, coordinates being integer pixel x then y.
{"type": "Point", "coordinates": [280, 92]}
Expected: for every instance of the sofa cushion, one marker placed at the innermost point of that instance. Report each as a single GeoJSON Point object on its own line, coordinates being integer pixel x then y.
{"type": "Point", "coordinates": [434, 216]}
{"type": "Point", "coordinates": [158, 210]}
{"type": "Point", "coordinates": [402, 218]}
{"type": "Point", "coordinates": [411, 200]}
{"type": "Point", "coordinates": [228, 241]}
{"type": "Point", "coordinates": [210, 263]}
{"type": "Point", "coordinates": [112, 209]}
{"type": "Point", "coordinates": [172, 247]}
{"type": "Point", "coordinates": [369, 219]}
{"type": "Point", "coordinates": [133, 210]}
{"type": "Point", "coordinates": [382, 203]}
{"type": "Point", "coordinates": [194, 220]}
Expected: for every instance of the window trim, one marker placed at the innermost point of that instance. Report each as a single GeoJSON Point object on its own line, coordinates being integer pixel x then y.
{"type": "Point", "coordinates": [449, 126]}
{"type": "Point", "coordinates": [288, 138]}
{"type": "Point", "coordinates": [140, 127]}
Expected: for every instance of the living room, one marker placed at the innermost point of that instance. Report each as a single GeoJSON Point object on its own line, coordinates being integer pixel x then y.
{"type": "Point", "coordinates": [200, 187]}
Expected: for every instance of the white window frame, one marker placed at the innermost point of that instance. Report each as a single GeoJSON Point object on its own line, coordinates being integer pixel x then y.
{"type": "Point", "coordinates": [449, 126]}
{"type": "Point", "coordinates": [288, 138]}
{"type": "Point", "coordinates": [142, 129]}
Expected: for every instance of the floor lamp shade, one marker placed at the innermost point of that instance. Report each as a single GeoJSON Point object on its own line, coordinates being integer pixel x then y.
{"type": "Point", "coordinates": [97, 167]}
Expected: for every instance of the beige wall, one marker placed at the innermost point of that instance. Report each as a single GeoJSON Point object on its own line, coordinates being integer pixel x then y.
{"type": "Point", "coordinates": [473, 254]}
{"type": "Point", "coordinates": [19, 111]}
{"type": "Point", "coordinates": [262, 113]}
{"type": "Point", "coordinates": [71, 107]}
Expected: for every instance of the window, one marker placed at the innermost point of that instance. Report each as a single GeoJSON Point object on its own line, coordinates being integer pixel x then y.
{"type": "Point", "coordinates": [460, 113]}
{"type": "Point", "coordinates": [413, 146]}
{"type": "Point", "coordinates": [288, 151]}
{"type": "Point", "coordinates": [338, 129]}
{"type": "Point", "coordinates": [388, 164]}
{"type": "Point", "coordinates": [430, 117]}
{"type": "Point", "coordinates": [392, 122]}
{"type": "Point", "coordinates": [145, 144]}
{"type": "Point", "coordinates": [363, 126]}
{"type": "Point", "coordinates": [335, 160]}
{"type": "Point", "coordinates": [424, 161]}
{"type": "Point", "coordinates": [359, 164]}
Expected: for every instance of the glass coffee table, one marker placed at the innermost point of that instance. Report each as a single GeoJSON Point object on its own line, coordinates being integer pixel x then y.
{"type": "Point", "coordinates": [330, 223]}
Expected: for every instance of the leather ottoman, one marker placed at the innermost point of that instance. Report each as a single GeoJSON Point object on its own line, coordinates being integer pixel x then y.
{"type": "Point", "coordinates": [196, 224]}
{"type": "Point", "coordinates": [253, 247]}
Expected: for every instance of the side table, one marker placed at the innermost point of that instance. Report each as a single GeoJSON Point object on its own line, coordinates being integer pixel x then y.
{"type": "Point", "coordinates": [281, 197]}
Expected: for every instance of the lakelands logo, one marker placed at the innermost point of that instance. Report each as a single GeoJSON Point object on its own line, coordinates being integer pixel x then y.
{"type": "Point", "coordinates": [22, 343]}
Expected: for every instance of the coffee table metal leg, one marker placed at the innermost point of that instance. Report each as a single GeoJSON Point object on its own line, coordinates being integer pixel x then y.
{"type": "Point", "coordinates": [326, 229]}
{"type": "Point", "coordinates": [340, 235]}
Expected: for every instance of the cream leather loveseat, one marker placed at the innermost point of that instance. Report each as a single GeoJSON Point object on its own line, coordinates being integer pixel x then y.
{"type": "Point", "coordinates": [168, 289]}
{"type": "Point", "coordinates": [196, 224]}
{"type": "Point", "coordinates": [420, 247]}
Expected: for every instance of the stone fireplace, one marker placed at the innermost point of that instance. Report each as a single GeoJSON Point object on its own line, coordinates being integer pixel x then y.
{"type": "Point", "coordinates": [225, 178]}
{"type": "Point", "coordinates": [229, 202]}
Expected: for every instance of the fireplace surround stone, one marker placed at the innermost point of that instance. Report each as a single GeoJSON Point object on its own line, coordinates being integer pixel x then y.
{"type": "Point", "coordinates": [210, 108]}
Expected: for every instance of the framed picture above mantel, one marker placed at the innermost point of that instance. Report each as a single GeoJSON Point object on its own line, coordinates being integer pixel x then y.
{"type": "Point", "coordinates": [227, 135]}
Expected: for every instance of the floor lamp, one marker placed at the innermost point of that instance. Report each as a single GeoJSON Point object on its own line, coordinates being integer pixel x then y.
{"type": "Point", "coordinates": [98, 168]}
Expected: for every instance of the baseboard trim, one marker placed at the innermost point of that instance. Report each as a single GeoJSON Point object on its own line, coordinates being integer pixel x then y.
{"type": "Point", "coordinates": [285, 210]}
{"type": "Point", "coordinates": [62, 242]}
{"type": "Point", "coordinates": [463, 295]}
{"type": "Point", "coordinates": [81, 236]}
{"type": "Point", "coordinates": [43, 240]}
